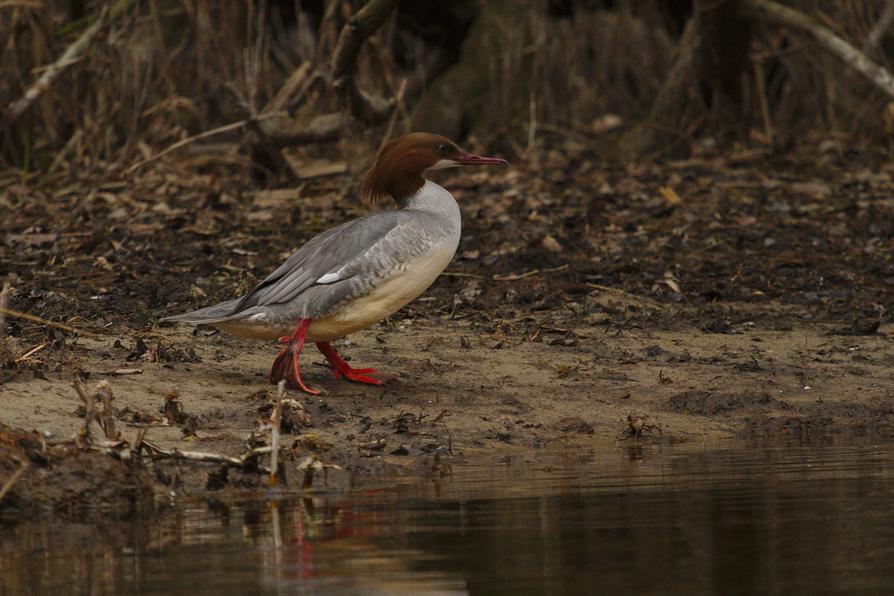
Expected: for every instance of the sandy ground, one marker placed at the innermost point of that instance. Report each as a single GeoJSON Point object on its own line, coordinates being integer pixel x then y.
{"type": "Point", "coordinates": [694, 386]}
{"type": "Point", "coordinates": [458, 391]}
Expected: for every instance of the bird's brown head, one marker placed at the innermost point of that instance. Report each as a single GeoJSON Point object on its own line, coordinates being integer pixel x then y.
{"type": "Point", "coordinates": [398, 169]}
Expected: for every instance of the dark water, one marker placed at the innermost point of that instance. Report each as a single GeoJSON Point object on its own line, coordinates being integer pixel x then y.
{"type": "Point", "coordinates": [794, 521]}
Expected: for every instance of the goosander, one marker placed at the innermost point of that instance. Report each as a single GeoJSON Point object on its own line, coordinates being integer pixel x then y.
{"type": "Point", "coordinates": [356, 274]}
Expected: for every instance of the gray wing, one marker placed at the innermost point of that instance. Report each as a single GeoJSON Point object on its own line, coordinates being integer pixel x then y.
{"type": "Point", "coordinates": [323, 254]}
{"type": "Point", "coordinates": [331, 268]}
{"type": "Point", "coordinates": [343, 263]}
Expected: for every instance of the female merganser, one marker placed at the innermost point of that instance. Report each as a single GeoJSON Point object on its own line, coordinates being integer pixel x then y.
{"type": "Point", "coordinates": [358, 273]}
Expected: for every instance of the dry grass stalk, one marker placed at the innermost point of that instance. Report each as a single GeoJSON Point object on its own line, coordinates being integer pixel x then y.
{"type": "Point", "coordinates": [398, 107]}
{"type": "Point", "coordinates": [275, 421]}
{"type": "Point", "coordinates": [527, 274]}
{"type": "Point", "coordinates": [286, 96]}
{"type": "Point", "coordinates": [29, 352]}
{"type": "Point", "coordinates": [23, 466]}
{"type": "Point", "coordinates": [71, 55]}
{"type": "Point", "coordinates": [4, 301]}
{"type": "Point", "coordinates": [762, 97]}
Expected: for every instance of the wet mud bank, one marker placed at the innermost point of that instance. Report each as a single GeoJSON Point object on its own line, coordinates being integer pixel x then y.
{"type": "Point", "coordinates": [743, 296]}
{"type": "Point", "coordinates": [190, 427]}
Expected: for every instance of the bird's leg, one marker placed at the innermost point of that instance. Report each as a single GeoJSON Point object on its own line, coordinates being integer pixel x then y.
{"type": "Point", "coordinates": [286, 364]}
{"type": "Point", "coordinates": [340, 368]}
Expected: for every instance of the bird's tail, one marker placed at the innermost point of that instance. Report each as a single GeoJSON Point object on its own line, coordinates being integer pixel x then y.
{"type": "Point", "coordinates": [225, 311]}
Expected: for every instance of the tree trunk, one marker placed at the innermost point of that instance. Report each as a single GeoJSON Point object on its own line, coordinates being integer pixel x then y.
{"type": "Point", "coordinates": [454, 103]}
{"type": "Point", "coordinates": [706, 77]}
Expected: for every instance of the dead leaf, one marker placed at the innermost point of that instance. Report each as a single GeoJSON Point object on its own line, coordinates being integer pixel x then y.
{"type": "Point", "coordinates": [670, 195]}
{"type": "Point", "coordinates": [279, 197]}
{"type": "Point", "coordinates": [606, 123]}
{"type": "Point", "coordinates": [551, 244]}
{"type": "Point", "coordinates": [31, 239]}
{"type": "Point", "coordinates": [670, 282]}
{"type": "Point", "coordinates": [814, 189]}
{"type": "Point", "coordinates": [317, 169]}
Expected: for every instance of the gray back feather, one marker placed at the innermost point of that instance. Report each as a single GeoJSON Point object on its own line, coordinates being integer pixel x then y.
{"type": "Point", "coordinates": [322, 254]}
{"type": "Point", "coordinates": [353, 256]}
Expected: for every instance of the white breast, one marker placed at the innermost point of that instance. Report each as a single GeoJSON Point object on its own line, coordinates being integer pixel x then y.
{"type": "Point", "coordinates": [387, 298]}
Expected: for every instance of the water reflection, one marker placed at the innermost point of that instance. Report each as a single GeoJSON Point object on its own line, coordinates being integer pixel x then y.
{"type": "Point", "coordinates": [766, 521]}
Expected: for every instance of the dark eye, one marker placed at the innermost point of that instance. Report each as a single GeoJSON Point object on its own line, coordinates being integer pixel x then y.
{"type": "Point", "coordinates": [443, 149]}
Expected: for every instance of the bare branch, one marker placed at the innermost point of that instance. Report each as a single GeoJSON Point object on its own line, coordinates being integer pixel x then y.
{"type": "Point", "coordinates": [365, 107]}
{"type": "Point", "coordinates": [881, 27]}
{"type": "Point", "coordinates": [367, 20]}
{"type": "Point", "coordinates": [368, 108]}
{"type": "Point", "coordinates": [284, 97]}
{"type": "Point", "coordinates": [202, 135]}
{"type": "Point", "coordinates": [245, 461]}
{"type": "Point", "coordinates": [788, 17]}
{"type": "Point", "coordinates": [71, 55]}
{"type": "Point", "coordinates": [23, 466]}
{"type": "Point", "coordinates": [284, 132]}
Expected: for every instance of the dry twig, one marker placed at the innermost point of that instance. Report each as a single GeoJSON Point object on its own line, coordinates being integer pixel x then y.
{"type": "Point", "coordinates": [202, 135]}
{"type": "Point", "coordinates": [23, 315]}
{"type": "Point", "coordinates": [284, 97]}
{"type": "Point", "coordinates": [527, 274]}
{"type": "Point", "coordinates": [627, 295]}
{"type": "Point", "coordinates": [23, 465]}
{"type": "Point", "coordinates": [510, 277]}
{"type": "Point", "coordinates": [636, 426]}
{"type": "Point", "coordinates": [885, 20]}
{"type": "Point", "coordinates": [71, 55]}
{"type": "Point", "coordinates": [246, 460]}
{"type": "Point", "coordinates": [285, 132]}
{"type": "Point", "coordinates": [275, 420]}
{"type": "Point", "coordinates": [398, 102]}
{"type": "Point", "coordinates": [30, 352]}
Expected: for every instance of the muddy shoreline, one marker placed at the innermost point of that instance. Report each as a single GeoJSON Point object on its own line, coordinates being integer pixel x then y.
{"type": "Point", "coordinates": [445, 403]}
{"type": "Point", "coordinates": [752, 302]}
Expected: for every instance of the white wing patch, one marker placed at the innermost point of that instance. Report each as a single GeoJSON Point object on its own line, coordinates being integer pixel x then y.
{"type": "Point", "coordinates": [367, 254]}
{"type": "Point", "coordinates": [330, 278]}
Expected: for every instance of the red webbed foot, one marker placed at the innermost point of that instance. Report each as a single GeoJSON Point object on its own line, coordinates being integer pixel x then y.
{"type": "Point", "coordinates": [340, 368]}
{"type": "Point", "coordinates": [285, 367]}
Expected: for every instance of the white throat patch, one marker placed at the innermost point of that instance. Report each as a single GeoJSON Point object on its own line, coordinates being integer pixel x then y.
{"type": "Point", "coordinates": [443, 164]}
